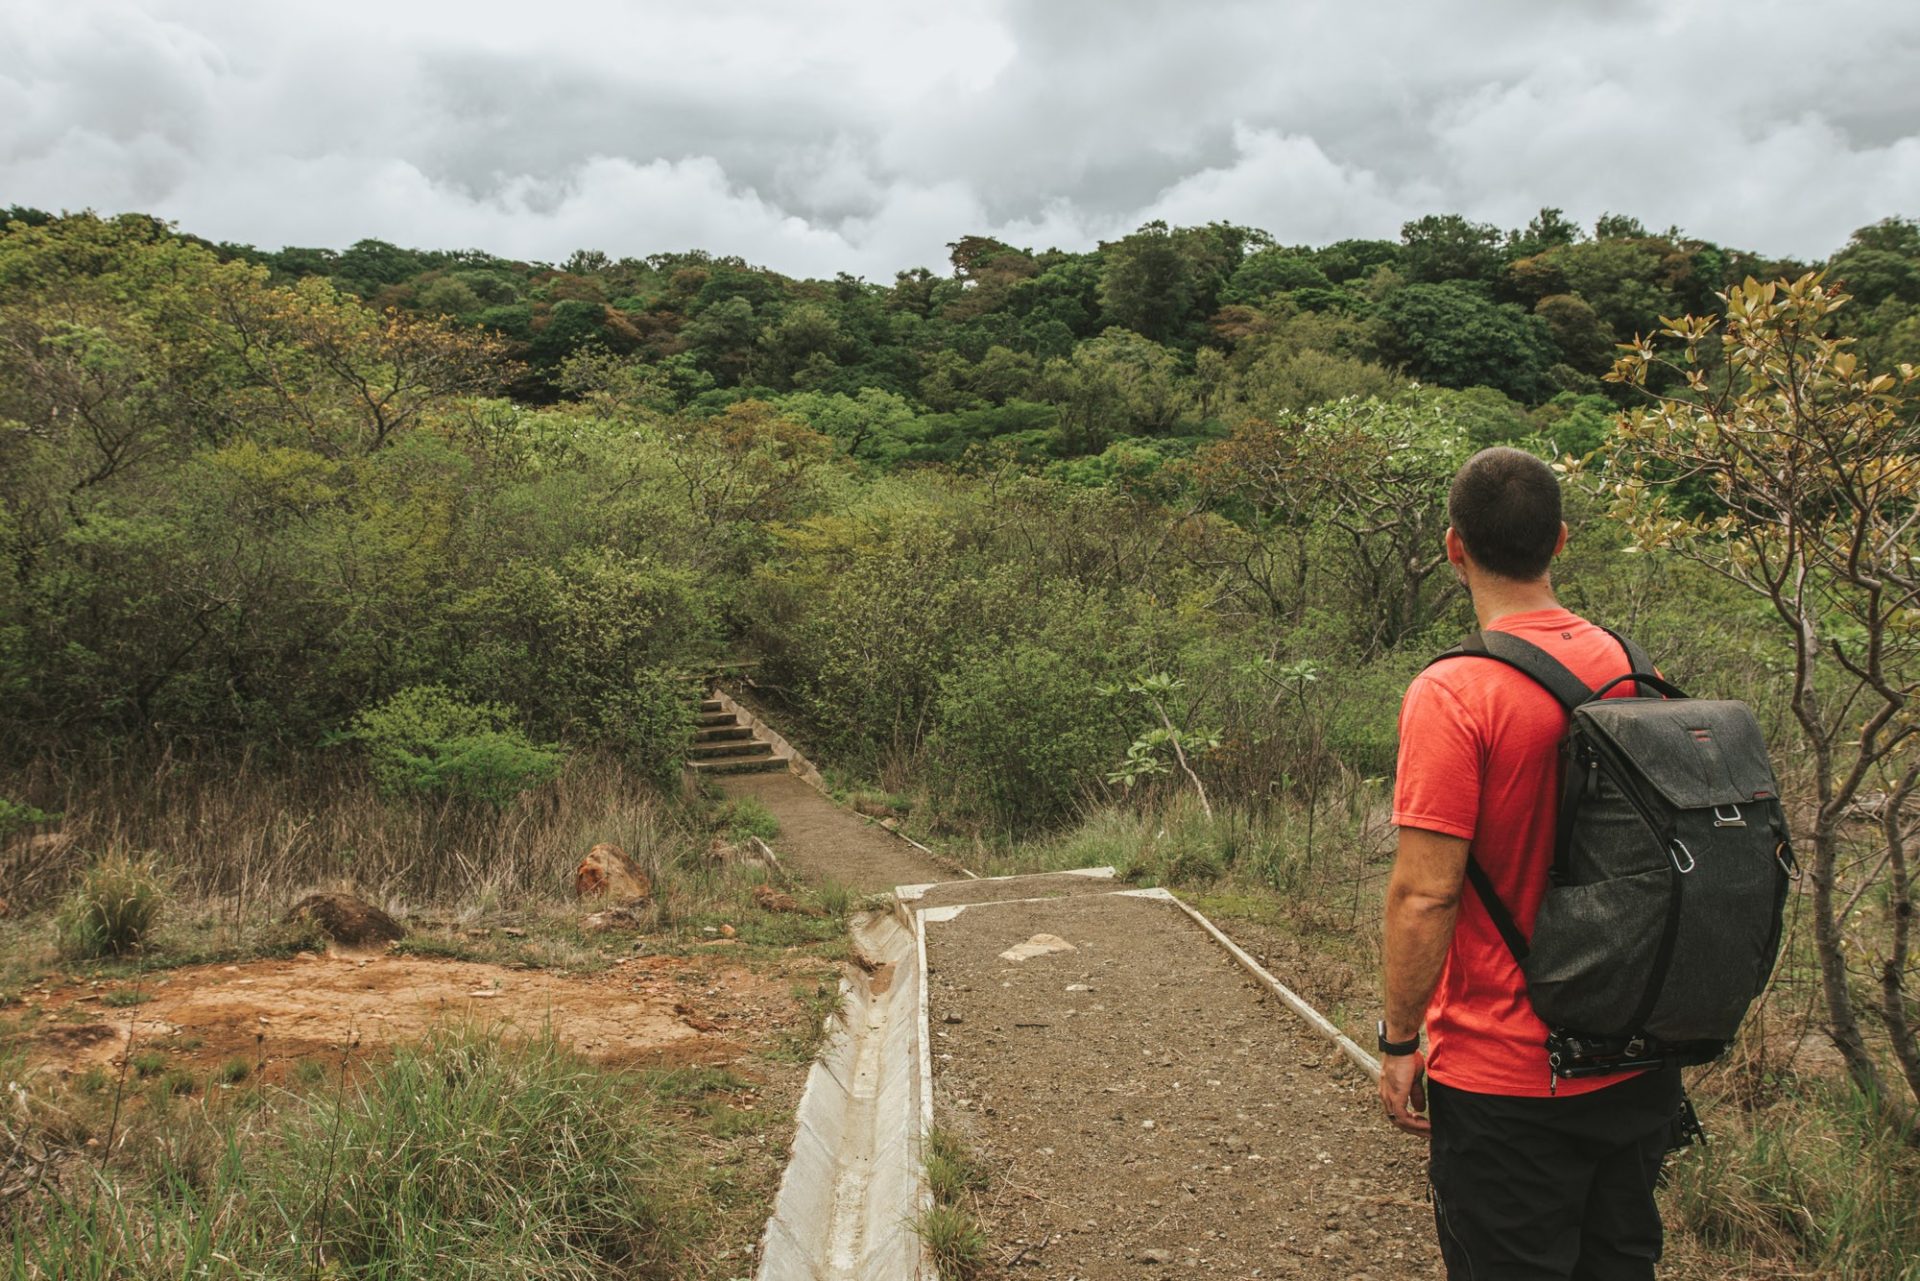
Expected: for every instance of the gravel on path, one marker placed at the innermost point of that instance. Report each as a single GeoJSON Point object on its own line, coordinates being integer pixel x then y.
{"type": "Point", "coordinates": [1146, 1110]}
{"type": "Point", "coordinates": [820, 841]}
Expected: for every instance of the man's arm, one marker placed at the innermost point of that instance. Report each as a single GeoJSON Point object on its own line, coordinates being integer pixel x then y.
{"type": "Point", "coordinates": [1423, 899]}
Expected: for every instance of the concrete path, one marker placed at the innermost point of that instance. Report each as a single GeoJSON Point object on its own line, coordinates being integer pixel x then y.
{"type": "Point", "coordinates": [820, 841]}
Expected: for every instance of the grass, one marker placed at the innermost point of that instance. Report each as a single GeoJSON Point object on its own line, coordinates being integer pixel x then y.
{"type": "Point", "coordinates": [952, 1172]}
{"type": "Point", "coordinates": [112, 911]}
{"type": "Point", "coordinates": [745, 816]}
{"type": "Point", "coordinates": [1815, 1179]}
{"type": "Point", "coordinates": [564, 1170]}
{"type": "Point", "coordinates": [244, 831]}
{"type": "Point", "coordinates": [949, 1228]}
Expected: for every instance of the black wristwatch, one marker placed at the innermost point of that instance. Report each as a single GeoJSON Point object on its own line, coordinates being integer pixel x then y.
{"type": "Point", "coordinates": [1397, 1049]}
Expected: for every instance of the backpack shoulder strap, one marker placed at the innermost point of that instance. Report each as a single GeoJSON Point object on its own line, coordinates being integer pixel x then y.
{"type": "Point", "coordinates": [1530, 660]}
{"type": "Point", "coordinates": [1497, 910]}
{"type": "Point", "coordinates": [1637, 662]}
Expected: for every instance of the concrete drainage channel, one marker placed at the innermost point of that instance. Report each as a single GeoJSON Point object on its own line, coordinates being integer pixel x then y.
{"type": "Point", "coordinates": [855, 1186]}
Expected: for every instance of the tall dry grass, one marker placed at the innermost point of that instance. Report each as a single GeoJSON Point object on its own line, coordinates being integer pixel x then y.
{"type": "Point", "coordinates": [241, 830]}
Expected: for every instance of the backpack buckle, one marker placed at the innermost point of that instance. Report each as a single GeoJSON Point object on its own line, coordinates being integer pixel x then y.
{"type": "Point", "coordinates": [1728, 820]}
{"type": "Point", "coordinates": [1677, 850]}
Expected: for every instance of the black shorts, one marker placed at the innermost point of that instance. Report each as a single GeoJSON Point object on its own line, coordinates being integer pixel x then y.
{"type": "Point", "coordinates": [1527, 1189]}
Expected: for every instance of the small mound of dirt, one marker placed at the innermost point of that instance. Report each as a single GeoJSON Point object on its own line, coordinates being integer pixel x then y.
{"type": "Point", "coordinates": [346, 920]}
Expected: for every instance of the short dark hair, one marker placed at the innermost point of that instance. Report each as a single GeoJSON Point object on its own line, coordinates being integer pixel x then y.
{"type": "Point", "coordinates": [1505, 505]}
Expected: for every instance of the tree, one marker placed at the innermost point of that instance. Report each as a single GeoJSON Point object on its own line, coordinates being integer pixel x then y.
{"type": "Point", "coordinates": [1371, 477]}
{"type": "Point", "coordinates": [1147, 283]}
{"type": "Point", "coordinates": [1548, 229]}
{"type": "Point", "coordinates": [1454, 335]}
{"type": "Point", "coordinates": [1815, 463]}
{"type": "Point", "coordinates": [1448, 247]}
{"type": "Point", "coordinates": [1117, 384]}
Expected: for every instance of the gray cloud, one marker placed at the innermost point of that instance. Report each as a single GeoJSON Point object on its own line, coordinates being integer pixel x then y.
{"type": "Point", "coordinates": [861, 136]}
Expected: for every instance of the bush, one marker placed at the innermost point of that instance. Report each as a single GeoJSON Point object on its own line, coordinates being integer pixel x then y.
{"type": "Point", "coordinates": [427, 741]}
{"type": "Point", "coordinates": [14, 816]}
{"type": "Point", "coordinates": [112, 912]}
{"type": "Point", "coordinates": [1021, 734]}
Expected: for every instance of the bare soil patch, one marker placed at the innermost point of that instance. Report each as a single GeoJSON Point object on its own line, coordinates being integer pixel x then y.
{"type": "Point", "coordinates": [819, 841]}
{"type": "Point", "coordinates": [647, 1010]}
{"type": "Point", "coordinates": [1148, 1111]}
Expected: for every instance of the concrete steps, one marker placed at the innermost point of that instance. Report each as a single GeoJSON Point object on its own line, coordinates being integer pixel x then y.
{"type": "Point", "coordinates": [722, 745]}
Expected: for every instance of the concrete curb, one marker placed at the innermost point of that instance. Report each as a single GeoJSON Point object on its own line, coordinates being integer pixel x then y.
{"type": "Point", "coordinates": [854, 1184]}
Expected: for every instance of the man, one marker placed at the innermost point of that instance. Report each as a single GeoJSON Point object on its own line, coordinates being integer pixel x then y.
{"type": "Point", "coordinates": [1531, 1178]}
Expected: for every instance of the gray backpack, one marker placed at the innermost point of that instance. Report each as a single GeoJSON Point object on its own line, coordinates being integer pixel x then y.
{"type": "Point", "coordinates": [1670, 869]}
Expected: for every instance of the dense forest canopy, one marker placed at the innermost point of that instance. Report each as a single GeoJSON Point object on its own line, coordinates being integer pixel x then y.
{"type": "Point", "coordinates": [245, 496]}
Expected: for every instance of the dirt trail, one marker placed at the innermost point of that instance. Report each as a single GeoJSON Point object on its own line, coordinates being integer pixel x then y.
{"type": "Point", "coordinates": [1147, 1110]}
{"type": "Point", "coordinates": [647, 1010]}
{"type": "Point", "coordinates": [819, 841]}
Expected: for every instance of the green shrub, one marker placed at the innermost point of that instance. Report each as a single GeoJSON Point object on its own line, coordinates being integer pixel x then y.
{"type": "Point", "coordinates": [14, 816]}
{"type": "Point", "coordinates": [1021, 734]}
{"type": "Point", "coordinates": [112, 912]}
{"type": "Point", "coordinates": [427, 741]}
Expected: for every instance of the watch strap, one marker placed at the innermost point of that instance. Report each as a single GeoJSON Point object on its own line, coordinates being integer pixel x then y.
{"type": "Point", "coordinates": [1396, 1049]}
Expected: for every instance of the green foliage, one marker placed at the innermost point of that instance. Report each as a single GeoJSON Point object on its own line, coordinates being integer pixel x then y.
{"type": "Point", "coordinates": [745, 816]}
{"type": "Point", "coordinates": [113, 910]}
{"type": "Point", "coordinates": [428, 741]}
{"type": "Point", "coordinates": [1454, 335]}
{"type": "Point", "coordinates": [1020, 733]}
{"type": "Point", "coordinates": [15, 816]}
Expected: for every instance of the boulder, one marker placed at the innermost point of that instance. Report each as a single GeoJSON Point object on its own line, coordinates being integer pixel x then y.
{"type": "Point", "coordinates": [607, 872]}
{"type": "Point", "coordinates": [348, 921]}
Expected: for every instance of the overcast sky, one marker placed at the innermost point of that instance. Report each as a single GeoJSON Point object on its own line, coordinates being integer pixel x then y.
{"type": "Point", "coordinates": [818, 136]}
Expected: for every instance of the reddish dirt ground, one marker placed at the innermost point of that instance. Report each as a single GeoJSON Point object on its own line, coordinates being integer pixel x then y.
{"type": "Point", "coordinates": [646, 1010]}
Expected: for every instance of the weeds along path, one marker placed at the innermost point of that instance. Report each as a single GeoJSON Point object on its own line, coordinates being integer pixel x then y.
{"type": "Point", "coordinates": [820, 842]}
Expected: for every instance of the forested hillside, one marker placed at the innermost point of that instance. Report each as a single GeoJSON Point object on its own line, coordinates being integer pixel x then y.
{"type": "Point", "coordinates": [249, 495]}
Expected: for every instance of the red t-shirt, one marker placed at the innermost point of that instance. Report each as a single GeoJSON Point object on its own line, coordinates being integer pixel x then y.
{"type": "Point", "coordinates": [1480, 759]}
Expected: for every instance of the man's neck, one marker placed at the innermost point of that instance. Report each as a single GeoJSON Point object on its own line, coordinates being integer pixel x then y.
{"type": "Point", "coordinates": [1498, 598]}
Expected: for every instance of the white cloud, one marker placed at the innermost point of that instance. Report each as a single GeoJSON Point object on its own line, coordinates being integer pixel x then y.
{"type": "Point", "coordinates": [862, 135]}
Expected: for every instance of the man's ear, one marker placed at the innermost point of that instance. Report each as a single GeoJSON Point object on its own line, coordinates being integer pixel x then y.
{"type": "Point", "coordinates": [1560, 545]}
{"type": "Point", "coordinates": [1457, 549]}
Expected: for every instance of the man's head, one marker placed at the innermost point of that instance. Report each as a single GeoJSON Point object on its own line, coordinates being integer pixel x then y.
{"type": "Point", "coordinates": [1505, 510]}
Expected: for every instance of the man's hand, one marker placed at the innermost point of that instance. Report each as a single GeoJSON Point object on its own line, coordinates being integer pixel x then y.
{"type": "Point", "coordinates": [1404, 1093]}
